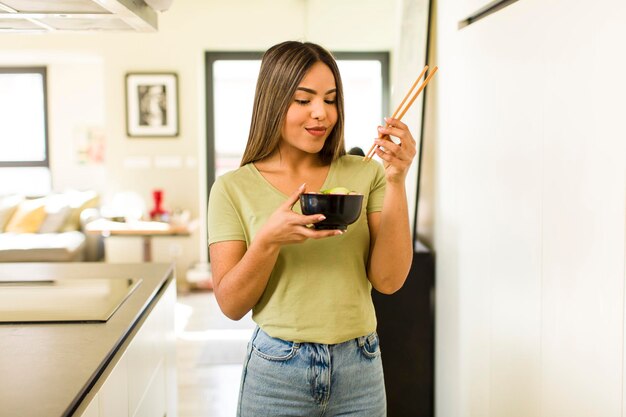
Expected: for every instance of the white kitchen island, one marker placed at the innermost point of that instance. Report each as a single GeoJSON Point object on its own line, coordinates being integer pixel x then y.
{"type": "Point", "coordinates": [122, 367]}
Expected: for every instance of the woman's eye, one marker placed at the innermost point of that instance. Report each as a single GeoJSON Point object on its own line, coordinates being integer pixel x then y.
{"type": "Point", "coordinates": [330, 101]}
{"type": "Point", "coordinates": [302, 102]}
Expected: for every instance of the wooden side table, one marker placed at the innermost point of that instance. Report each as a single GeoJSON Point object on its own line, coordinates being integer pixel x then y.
{"type": "Point", "coordinates": [144, 229]}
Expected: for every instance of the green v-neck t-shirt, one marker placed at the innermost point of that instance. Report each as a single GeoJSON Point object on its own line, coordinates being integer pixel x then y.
{"type": "Point", "coordinates": [318, 291]}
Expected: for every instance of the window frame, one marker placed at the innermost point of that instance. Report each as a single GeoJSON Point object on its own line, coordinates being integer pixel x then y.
{"type": "Point", "coordinates": [46, 161]}
{"type": "Point", "coordinates": [210, 58]}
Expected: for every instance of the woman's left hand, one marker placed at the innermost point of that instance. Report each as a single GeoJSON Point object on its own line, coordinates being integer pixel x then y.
{"type": "Point", "coordinates": [397, 158]}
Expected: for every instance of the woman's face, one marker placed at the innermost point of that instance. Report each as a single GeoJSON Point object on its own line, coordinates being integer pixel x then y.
{"type": "Point", "coordinates": [313, 111]}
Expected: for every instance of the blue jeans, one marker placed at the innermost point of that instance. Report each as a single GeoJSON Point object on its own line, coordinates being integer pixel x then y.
{"type": "Point", "coordinates": [282, 378]}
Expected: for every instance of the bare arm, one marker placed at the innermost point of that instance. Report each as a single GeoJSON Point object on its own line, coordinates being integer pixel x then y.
{"type": "Point", "coordinates": [240, 275]}
{"type": "Point", "coordinates": [391, 249]}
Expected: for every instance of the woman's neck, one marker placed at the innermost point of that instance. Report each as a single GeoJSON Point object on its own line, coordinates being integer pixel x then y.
{"type": "Point", "coordinates": [290, 161]}
{"type": "Point", "coordinates": [286, 171]}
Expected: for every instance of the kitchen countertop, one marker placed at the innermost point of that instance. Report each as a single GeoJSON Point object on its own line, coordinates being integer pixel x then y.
{"type": "Point", "coordinates": [47, 368]}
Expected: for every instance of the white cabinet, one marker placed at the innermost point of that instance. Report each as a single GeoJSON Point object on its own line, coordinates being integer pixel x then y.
{"type": "Point", "coordinates": [153, 402]}
{"type": "Point", "coordinates": [141, 381]}
{"type": "Point", "coordinates": [530, 211]}
{"type": "Point", "coordinates": [114, 392]}
{"type": "Point", "coordinates": [91, 410]}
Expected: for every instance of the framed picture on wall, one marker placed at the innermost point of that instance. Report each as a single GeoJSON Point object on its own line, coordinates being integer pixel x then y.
{"type": "Point", "coordinates": [152, 104]}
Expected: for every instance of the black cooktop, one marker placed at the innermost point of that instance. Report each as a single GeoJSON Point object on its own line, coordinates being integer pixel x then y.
{"type": "Point", "coordinates": [63, 300]}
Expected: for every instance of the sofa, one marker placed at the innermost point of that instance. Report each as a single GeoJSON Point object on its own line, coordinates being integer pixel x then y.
{"type": "Point", "coordinates": [49, 228]}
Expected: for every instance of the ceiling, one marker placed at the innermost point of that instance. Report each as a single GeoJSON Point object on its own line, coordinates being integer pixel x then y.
{"type": "Point", "coordinates": [76, 15]}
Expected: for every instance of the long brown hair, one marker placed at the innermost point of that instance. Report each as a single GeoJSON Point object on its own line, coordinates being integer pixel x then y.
{"type": "Point", "coordinates": [282, 69]}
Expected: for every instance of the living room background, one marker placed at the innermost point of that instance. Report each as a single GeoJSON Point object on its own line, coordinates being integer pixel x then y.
{"type": "Point", "coordinates": [86, 90]}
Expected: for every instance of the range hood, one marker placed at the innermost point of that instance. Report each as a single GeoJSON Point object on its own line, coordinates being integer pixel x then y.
{"type": "Point", "coordinates": [77, 15]}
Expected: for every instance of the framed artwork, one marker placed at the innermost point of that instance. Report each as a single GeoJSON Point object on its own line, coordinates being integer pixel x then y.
{"type": "Point", "coordinates": [152, 104]}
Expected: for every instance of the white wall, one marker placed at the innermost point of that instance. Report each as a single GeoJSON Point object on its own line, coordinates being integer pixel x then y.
{"type": "Point", "coordinates": [91, 67]}
{"type": "Point", "coordinates": [530, 210]}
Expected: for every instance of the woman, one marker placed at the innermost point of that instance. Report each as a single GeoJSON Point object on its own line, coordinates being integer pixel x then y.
{"type": "Point", "coordinates": [315, 349]}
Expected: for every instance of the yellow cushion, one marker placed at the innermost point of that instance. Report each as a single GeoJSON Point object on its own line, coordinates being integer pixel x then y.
{"type": "Point", "coordinates": [28, 217]}
{"type": "Point", "coordinates": [8, 205]}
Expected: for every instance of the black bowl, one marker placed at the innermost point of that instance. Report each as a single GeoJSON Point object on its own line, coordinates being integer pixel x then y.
{"type": "Point", "coordinates": [340, 209]}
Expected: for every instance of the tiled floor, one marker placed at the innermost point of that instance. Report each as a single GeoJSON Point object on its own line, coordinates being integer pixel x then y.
{"type": "Point", "coordinates": [210, 353]}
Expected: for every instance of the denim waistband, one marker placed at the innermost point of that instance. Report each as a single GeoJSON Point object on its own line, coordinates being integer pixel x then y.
{"type": "Point", "coordinates": [361, 340]}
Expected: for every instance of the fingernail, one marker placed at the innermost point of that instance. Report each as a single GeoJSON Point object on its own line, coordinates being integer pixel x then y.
{"type": "Point", "coordinates": [303, 185]}
{"type": "Point", "coordinates": [387, 119]}
{"type": "Point", "coordinates": [322, 217]}
{"type": "Point", "coordinates": [339, 232]}
{"type": "Point", "coordinates": [381, 128]}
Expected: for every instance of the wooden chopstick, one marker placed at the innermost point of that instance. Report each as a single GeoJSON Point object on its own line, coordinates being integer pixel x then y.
{"type": "Point", "coordinates": [372, 151]}
{"type": "Point", "coordinates": [417, 80]}
{"type": "Point", "coordinates": [395, 113]}
{"type": "Point", "coordinates": [430, 75]}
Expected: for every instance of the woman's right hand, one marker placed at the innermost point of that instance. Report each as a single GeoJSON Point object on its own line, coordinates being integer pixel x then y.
{"type": "Point", "coordinates": [285, 226]}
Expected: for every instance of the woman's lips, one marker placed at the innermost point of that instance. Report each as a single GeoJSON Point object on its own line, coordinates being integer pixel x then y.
{"type": "Point", "coordinates": [316, 131]}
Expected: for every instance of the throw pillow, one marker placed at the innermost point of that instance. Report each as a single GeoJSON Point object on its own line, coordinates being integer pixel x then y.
{"type": "Point", "coordinates": [8, 205]}
{"type": "Point", "coordinates": [57, 211]}
{"type": "Point", "coordinates": [55, 220]}
{"type": "Point", "coordinates": [78, 201]}
{"type": "Point", "coordinates": [28, 217]}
